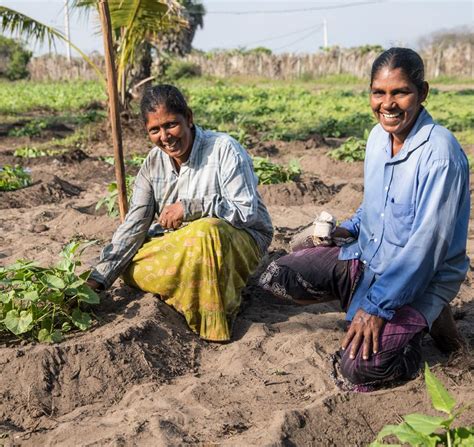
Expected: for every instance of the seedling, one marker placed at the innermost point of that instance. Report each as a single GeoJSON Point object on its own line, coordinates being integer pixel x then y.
{"type": "Point", "coordinates": [14, 177]}
{"type": "Point", "coordinates": [269, 173]}
{"type": "Point", "coordinates": [45, 302]}
{"type": "Point", "coordinates": [110, 200]}
{"type": "Point", "coordinates": [431, 431]}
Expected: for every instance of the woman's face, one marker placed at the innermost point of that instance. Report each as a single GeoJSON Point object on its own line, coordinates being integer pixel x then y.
{"type": "Point", "coordinates": [396, 101]}
{"type": "Point", "coordinates": [171, 132]}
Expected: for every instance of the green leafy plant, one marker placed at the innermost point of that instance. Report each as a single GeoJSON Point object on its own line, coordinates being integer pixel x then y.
{"type": "Point", "coordinates": [135, 160]}
{"type": "Point", "coordinates": [14, 177]}
{"type": "Point", "coordinates": [353, 149]}
{"type": "Point", "coordinates": [34, 152]}
{"type": "Point", "coordinates": [30, 129]}
{"type": "Point", "coordinates": [431, 431]}
{"type": "Point", "coordinates": [270, 173]}
{"type": "Point", "coordinates": [45, 302]}
{"type": "Point", "coordinates": [110, 200]}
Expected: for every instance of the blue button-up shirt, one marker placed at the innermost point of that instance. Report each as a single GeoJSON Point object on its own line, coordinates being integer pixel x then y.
{"type": "Point", "coordinates": [412, 226]}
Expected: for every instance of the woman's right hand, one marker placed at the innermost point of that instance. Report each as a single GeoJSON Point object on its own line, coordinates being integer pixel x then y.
{"type": "Point", "coordinates": [341, 232]}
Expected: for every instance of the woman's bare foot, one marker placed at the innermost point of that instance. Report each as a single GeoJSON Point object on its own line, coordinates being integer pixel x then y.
{"type": "Point", "coordinates": [445, 332]}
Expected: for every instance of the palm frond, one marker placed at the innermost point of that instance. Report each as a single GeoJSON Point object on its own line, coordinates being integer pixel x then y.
{"type": "Point", "coordinates": [17, 23]}
{"type": "Point", "coordinates": [137, 21]}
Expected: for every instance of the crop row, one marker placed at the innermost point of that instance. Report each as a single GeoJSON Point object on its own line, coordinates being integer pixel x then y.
{"type": "Point", "coordinates": [270, 110]}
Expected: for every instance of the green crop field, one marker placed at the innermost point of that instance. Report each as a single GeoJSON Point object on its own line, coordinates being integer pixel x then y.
{"type": "Point", "coordinates": [270, 110]}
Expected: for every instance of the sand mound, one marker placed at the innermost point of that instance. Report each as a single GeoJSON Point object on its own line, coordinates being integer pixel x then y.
{"type": "Point", "coordinates": [134, 341]}
{"type": "Point", "coordinates": [306, 191]}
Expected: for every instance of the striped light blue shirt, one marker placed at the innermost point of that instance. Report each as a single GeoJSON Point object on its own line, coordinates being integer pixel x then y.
{"type": "Point", "coordinates": [412, 226]}
{"type": "Point", "coordinates": [216, 181]}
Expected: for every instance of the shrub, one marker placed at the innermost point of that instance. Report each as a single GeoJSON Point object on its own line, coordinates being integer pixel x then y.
{"type": "Point", "coordinates": [14, 59]}
{"type": "Point", "coordinates": [178, 69]}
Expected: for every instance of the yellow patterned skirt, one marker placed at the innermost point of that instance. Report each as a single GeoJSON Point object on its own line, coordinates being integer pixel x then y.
{"type": "Point", "coordinates": [199, 270]}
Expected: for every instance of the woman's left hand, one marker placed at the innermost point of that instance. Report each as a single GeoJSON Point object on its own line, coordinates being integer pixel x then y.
{"type": "Point", "coordinates": [172, 216]}
{"type": "Point", "coordinates": [365, 329]}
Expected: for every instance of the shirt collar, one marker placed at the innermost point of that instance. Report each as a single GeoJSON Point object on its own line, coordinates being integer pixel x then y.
{"type": "Point", "coordinates": [419, 134]}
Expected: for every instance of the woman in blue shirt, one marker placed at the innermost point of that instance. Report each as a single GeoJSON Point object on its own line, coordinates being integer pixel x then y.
{"type": "Point", "coordinates": [408, 257]}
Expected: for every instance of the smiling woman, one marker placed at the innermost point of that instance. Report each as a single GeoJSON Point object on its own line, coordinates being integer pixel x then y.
{"type": "Point", "coordinates": [408, 256]}
{"type": "Point", "coordinates": [213, 227]}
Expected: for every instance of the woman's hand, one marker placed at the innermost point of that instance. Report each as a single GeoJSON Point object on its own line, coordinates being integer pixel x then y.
{"type": "Point", "coordinates": [365, 329]}
{"type": "Point", "coordinates": [172, 216]}
{"type": "Point", "coordinates": [341, 232]}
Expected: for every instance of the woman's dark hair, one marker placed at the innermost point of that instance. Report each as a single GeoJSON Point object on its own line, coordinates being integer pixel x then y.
{"type": "Point", "coordinates": [163, 95]}
{"type": "Point", "coordinates": [407, 60]}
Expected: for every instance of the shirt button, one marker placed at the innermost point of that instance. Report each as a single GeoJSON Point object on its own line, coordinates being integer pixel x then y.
{"type": "Point", "coordinates": [382, 214]}
{"type": "Point", "coordinates": [386, 188]}
{"type": "Point", "coordinates": [375, 240]}
{"type": "Point", "coordinates": [357, 254]}
{"type": "Point", "coordinates": [364, 262]}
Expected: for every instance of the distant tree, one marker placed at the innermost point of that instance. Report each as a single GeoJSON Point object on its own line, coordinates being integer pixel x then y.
{"type": "Point", "coordinates": [172, 42]}
{"type": "Point", "coordinates": [133, 23]}
{"type": "Point", "coordinates": [14, 58]}
{"type": "Point", "coordinates": [447, 38]}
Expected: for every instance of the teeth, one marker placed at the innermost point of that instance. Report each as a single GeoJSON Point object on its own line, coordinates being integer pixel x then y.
{"type": "Point", "coordinates": [391, 115]}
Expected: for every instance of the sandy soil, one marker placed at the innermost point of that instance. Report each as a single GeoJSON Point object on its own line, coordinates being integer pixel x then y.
{"type": "Point", "coordinates": [141, 378]}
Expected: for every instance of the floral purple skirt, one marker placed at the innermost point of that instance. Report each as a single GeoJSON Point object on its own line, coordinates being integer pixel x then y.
{"type": "Point", "coordinates": [316, 274]}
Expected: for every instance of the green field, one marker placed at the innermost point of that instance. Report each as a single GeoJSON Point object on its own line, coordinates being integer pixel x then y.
{"type": "Point", "coordinates": [269, 110]}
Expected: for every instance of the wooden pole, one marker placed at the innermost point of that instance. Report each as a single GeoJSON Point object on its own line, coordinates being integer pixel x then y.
{"type": "Point", "coordinates": [114, 114]}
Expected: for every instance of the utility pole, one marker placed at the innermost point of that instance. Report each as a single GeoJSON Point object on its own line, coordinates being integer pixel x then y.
{"type": "Point", "coordinates": [66, 29]}
{"type": "Point", "coordinates": [325, 33]}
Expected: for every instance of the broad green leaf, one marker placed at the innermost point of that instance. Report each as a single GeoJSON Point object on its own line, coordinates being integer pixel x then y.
{"type": "Point", "coordinates": [440, 398]}
{"type": "Point", "coordinates": [81, 319]}
{"type": "Point", "coordinates": [423, 423]}
{"type": "Point", "coordinates": [405, 434]}
{"type": "Point", "coordinates": [87, 295]}
{"type": "Point", "coordinates": [76, 284]}
{"type": "Point", "coordinates": [56, 336]}
{"type": "Point", "coordinates": [12, 320]}
{"type": "Point", "coordinates": [7, 297]}
{"type": "Point", "coordinates": [31, 295]}
{"type": "Point", "coordinates": [463, 437]}
{"type": "Point", "coordinates": [54, 282]}
{"type": "Point", "coordinates": [44, 336]}
{"type": "Point", "coordinates": [55, 297]}
{"type": "Point", "coordinates": [24, 323]}
{"type": "Point", "coordinates": [18, 323]}
{"type": "Point", "coordinates": [85, 275]}
{"type": "Point", "coordinates": [66, 327]}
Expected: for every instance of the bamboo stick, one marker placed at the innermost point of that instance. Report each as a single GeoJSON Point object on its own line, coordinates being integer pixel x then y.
{"type": "Point", "coordinates": [114, 113]}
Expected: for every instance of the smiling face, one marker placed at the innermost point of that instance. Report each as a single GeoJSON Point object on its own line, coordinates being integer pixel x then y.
{"type": "Point", "coordinates": [396, 102]}
{"type": "Point", "coordinates": [171, 132]}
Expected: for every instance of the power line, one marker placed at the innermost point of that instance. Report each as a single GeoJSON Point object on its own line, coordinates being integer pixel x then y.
{"type": "Point", "coordinates": [283, 35]}
{"type": "Point", "coordinates": [289, 11]}
{"type": "Point", "coordinates": [300, 39]}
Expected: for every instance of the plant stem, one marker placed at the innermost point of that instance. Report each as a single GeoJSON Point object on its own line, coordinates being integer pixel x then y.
{"type": "Point", "coordinates": [448, 437]}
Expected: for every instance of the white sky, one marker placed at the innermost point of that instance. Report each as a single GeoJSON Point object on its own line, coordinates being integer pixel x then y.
{"type": "Point", "coordinates": [383, 22]}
